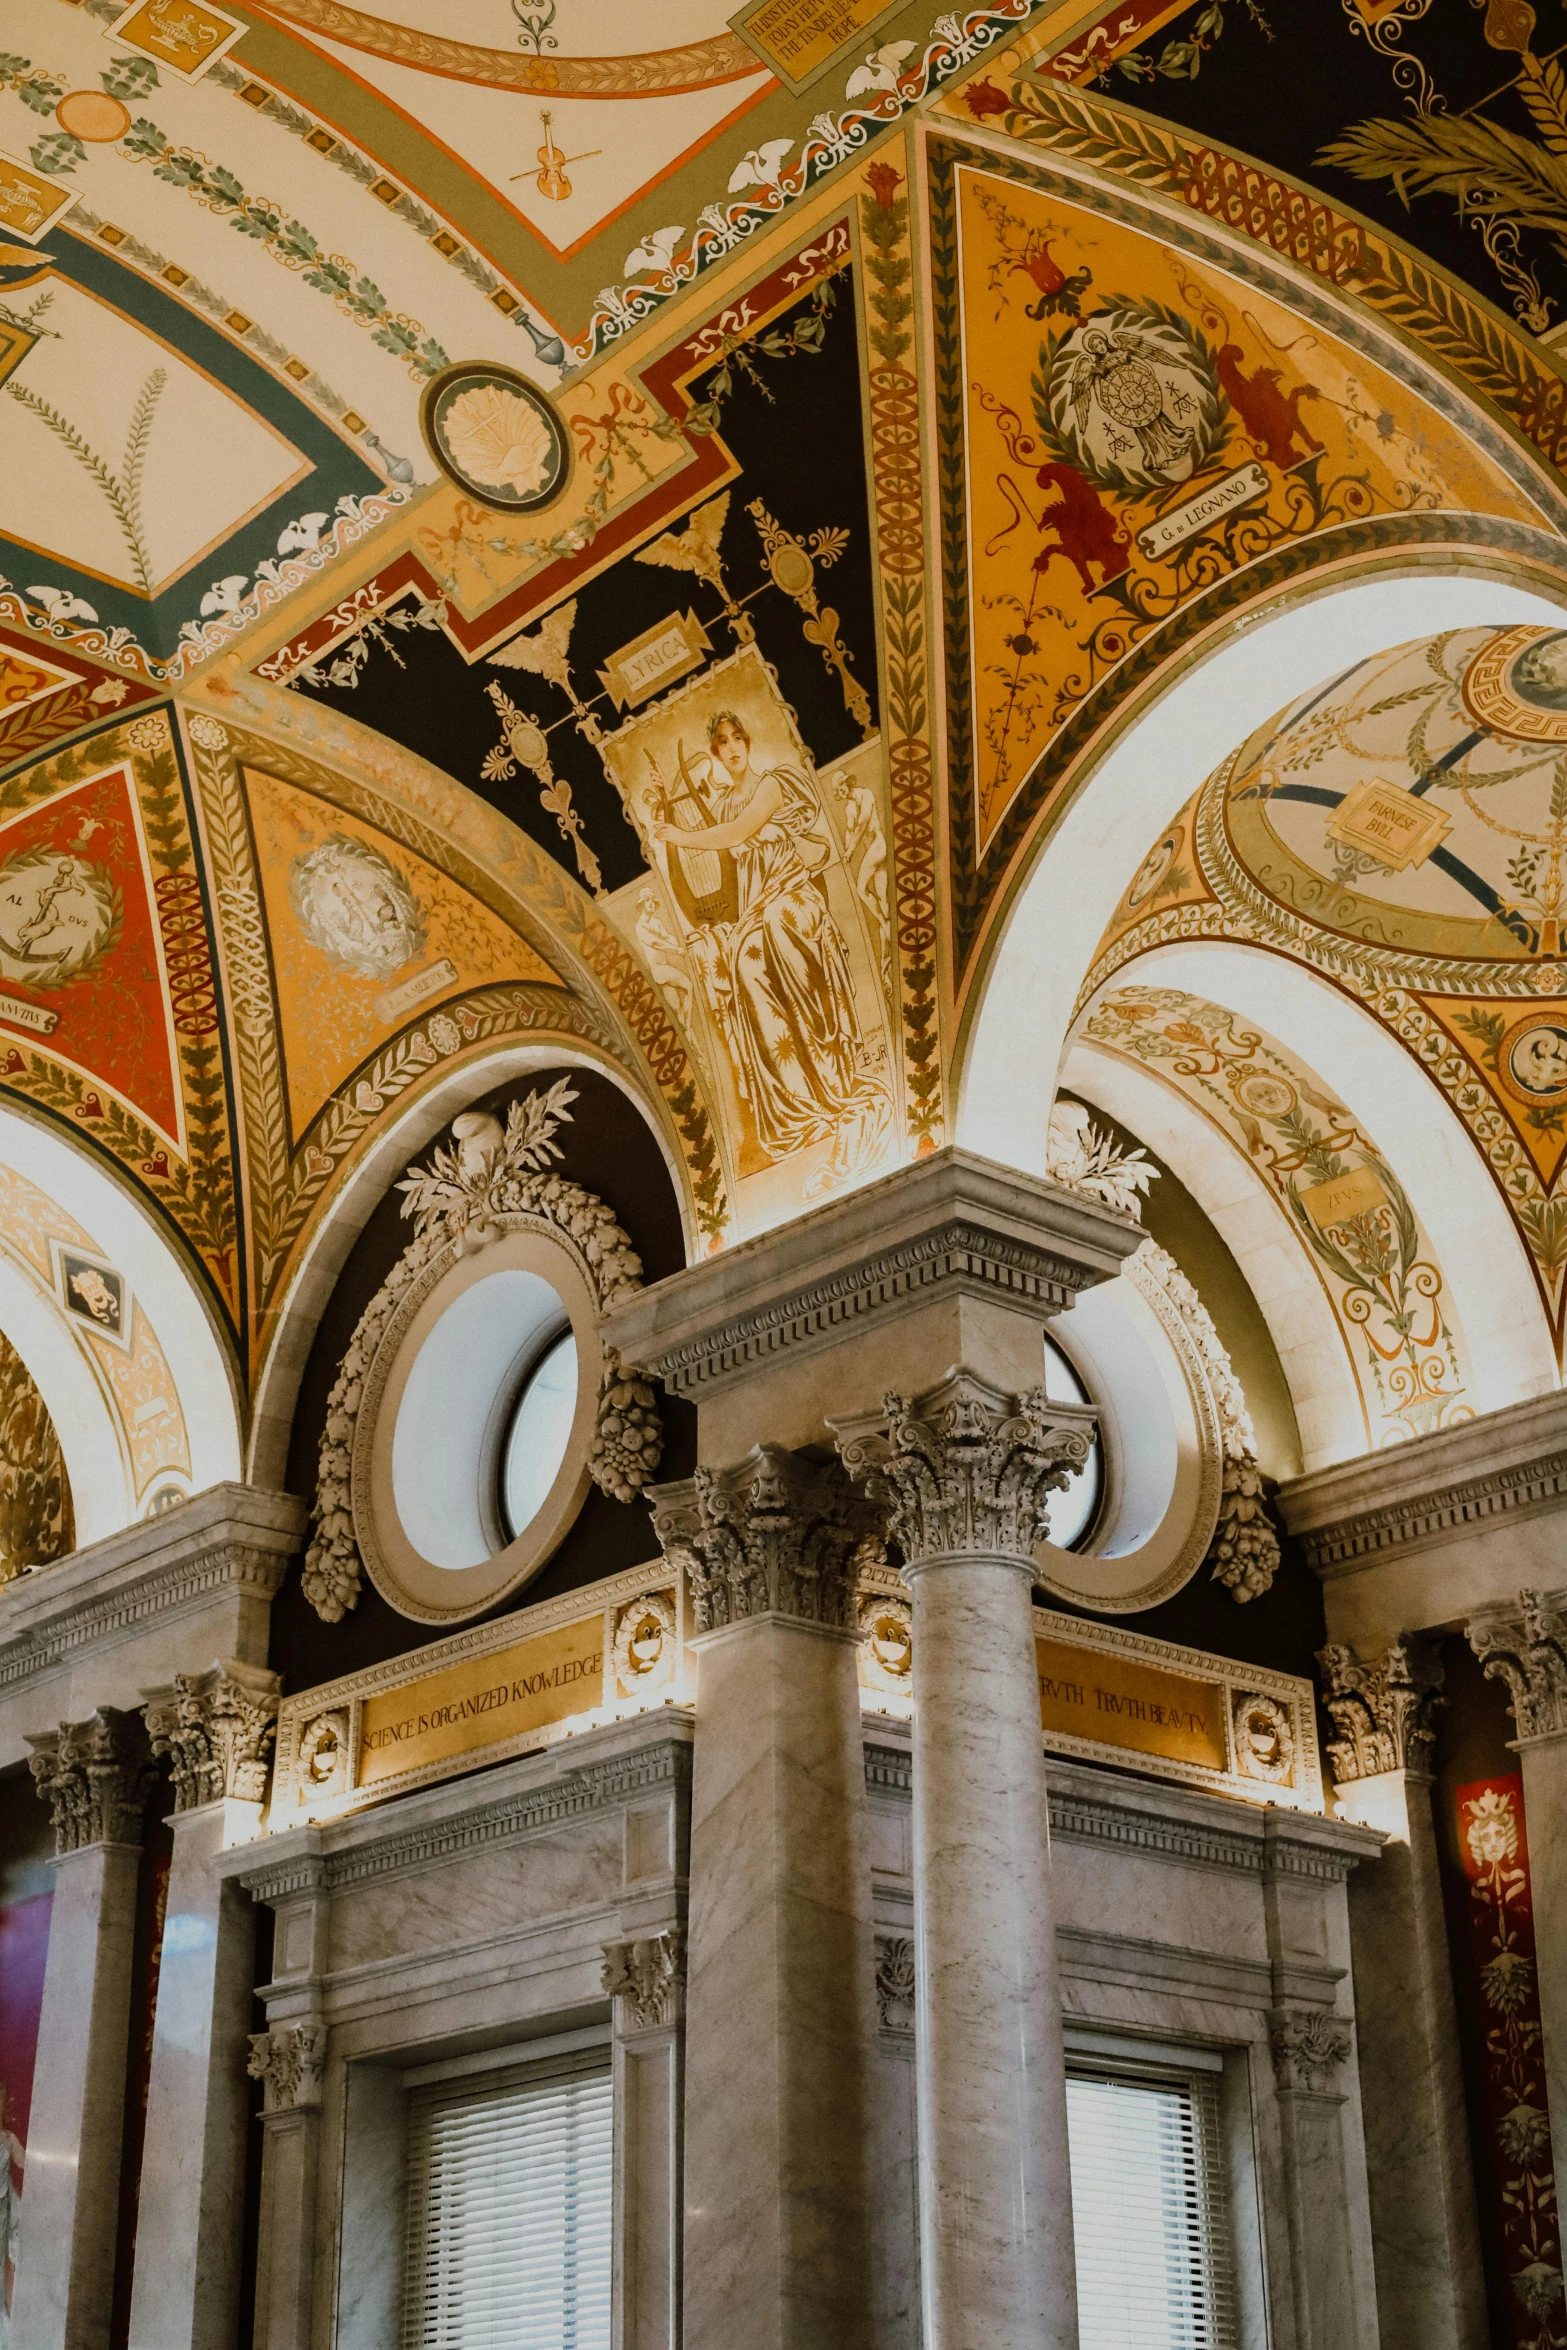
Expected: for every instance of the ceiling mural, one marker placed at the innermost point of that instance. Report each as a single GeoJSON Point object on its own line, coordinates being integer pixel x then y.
{"type": "Point", "coordinates": [1338, 1192]}
{"type": "Point", "coordinates": [1403, 831]}
{"type": "Point", "coordinates": [63, 1263]}
{"type": "Point", "coordinates": [468, 581]}
{"type": "Point", "coordinates": [109, 1016]}
{"type": "Point", "coordinates": [1442, 125]}
{"type": "Point", "coordinates": [37, 1522]}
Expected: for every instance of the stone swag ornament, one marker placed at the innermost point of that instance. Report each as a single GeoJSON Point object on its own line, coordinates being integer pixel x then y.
{"type": "Point", "coordinates": [494, 1179]}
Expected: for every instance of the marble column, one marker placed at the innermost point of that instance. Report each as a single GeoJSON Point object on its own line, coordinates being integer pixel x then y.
{"type": "Point", "coordinates": [965, 1473]}
{"type": "Point", "coordinates": [1526, 1646]}
{"type": "Point", "coordinates": [1425, 2238]}
{"type": "Point", "coordinates": [95, 1776]}
{"type": "Point", "coordinates": [778, 2132]}
{"type": "Point", "coordinates": [215, 1727]}
{"type": "Point", "coordinates": [646, 1979]}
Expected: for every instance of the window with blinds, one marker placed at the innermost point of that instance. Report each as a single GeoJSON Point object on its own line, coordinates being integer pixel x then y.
{"type": "Point", "coordinates": [1153, 2261]}
{"type": "Point", "coordinates": [508, 2215]}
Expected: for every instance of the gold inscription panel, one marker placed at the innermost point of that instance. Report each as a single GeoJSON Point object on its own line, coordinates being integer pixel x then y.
{"type": "Point", "coordinates": [798, 38]}
{"type": "Point", "coordinates": [483, 1701]}
{"type": "Point", "coordinates": [1119, 1701]}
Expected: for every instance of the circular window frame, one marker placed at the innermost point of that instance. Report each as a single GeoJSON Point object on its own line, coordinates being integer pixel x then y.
{"type": "Point", "coordinates": [409, 1582]}
{"type": "Point", "coordinates": [1173, 1548]}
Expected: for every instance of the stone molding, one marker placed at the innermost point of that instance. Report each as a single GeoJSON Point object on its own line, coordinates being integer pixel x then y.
{"type": "Point", "coordinates": [647, 1976]}
{"type": "Point", "coordinates": [233, 1539]}
{"type": "Point", "coordinates": [1431, 1489]}
{"type": "Point", "coordinates": [965, 1470]}
{"type": "Point", "coordinates": [290, 2060]}
{"type": "Point", "coordinates": [1385, 1714]}
{"type": "Point", "coordinates": [374, 1845]}
{"type": "Point", "coordinates": [215, 1727]}
{"type": "Point", "coordinates": [1308, 2047]}
{"type": "Point", "coordinates": [1171, 1823]}
{"type": "Point", "coordinates": [777, 1534]}
{"type": "Point", "coordinates": [952, 1220]}
{"type": "Point", "coordinates": [1527, 1648]}
{"type": "Point", "coordinates": [95, 1777]}
{"type": "Point", "coordinates": [895, 1983]}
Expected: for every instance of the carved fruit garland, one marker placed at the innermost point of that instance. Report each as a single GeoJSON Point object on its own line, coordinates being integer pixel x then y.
{"type": "Point", "coordinates": [494, 1180]}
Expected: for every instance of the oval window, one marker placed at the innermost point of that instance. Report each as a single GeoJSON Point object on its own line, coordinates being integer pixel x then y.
{"type": "Point", "coordinates": [538, 1432]}
{"type": "Point", "coordinates": [1073, 1511]}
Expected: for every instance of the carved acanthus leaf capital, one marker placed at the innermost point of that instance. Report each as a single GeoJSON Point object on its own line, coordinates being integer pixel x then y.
{"type": "Point", "coordinates": [1527, 1648]}
{"type": "Point", "coordinates": [290, 2060]}
{"type": "Point", "coordinates": [1385, 1715]}
{"type": "Point", "coordinates": [966, 1469]}
{"type": "Point", "coordinates": [1308, 2048]}
{"type": "Point", "coordinates": [95, 1777]}
{"type": "Point", "coordinates": [648, 1976]}
{"type": "Point", "coordinates": [776, 1534]}
{"type": "Point", "coordinates": [215, 1727]}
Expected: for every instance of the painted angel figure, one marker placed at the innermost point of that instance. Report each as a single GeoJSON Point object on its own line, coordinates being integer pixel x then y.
{"type": "Point", "coordinates": [779, 972]}
{"type": "Point", "coordinates": [1115, 369]}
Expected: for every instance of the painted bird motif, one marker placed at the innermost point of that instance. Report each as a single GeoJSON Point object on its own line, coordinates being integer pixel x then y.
{"type": "Point", "coordinates": [696, 547]}
{"type": "Point", "coordinates": [761, 167]}
{"type": "Point", "coordinates": [22, 265]}
{"type": "Point", "coordinates": [543, 654]}
{"type": "Point", "coordinates": [880, 70]}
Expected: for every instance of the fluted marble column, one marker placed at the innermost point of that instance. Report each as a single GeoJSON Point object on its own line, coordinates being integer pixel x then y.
{"type": "Point", "coordinates": [778, 2140]}
{"type": "Point", "coordinates": [215, 1727]}
{"type": "Point", "coordinates": [95, 1776]}
{"type": "Point", "coordinates": [1425, 2238]}
{"type": "Point", "coordinates": [965, 1473]}
{"type": "Point", "coordinates": [1526, 1646]}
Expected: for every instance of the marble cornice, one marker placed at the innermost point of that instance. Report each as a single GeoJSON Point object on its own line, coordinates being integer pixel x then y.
{"type": "Point", "coordinates": [235, 1538]}
{"type": "Point", "coordinates": [456, 1822]}
{"type": "Point", "coordinates": [1505, 1464]}
{"type": "Point", "coordinates": [950, 1221]}
{"type": "Point", "coordinates": [1172, 1823]}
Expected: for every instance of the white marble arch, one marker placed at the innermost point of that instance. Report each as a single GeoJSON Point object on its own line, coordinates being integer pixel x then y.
{"type": "Point", "coordinates": [424, 1118]}
{"type": "Point", "coordinates": [1273, 1260]}
{"type": "Point", "coordinates": [1059, 912]}
{"type": "Point", "coordinates": [1473, 1237]}
{"type": "Point", "coordinates": [166, 1291]}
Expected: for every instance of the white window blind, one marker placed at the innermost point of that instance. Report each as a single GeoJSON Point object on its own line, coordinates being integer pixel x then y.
{"type": "Point", "coordinates": [1153, 2269]}
{"type": "Point", "coordinates": [509, 2214]}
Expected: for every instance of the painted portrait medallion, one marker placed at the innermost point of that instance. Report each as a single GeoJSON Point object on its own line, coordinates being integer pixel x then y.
{"type": "Point", "coordinates": [93, 1292]}
{"type": "Point", "coordinates": [1518, 684]}
{"type": "Point", "coordinates": [1131, 398]}
{"type": "Point", "coordinates": [1152, 870]}
{"type": "Point", "coordinates": [59, 915]}
{"type": "Point", "coordinates": [496, 436]}
{"type": "Point", "coordinates": [1534, 1060]}
{"type": "Point", "coordinates": [356, 907]}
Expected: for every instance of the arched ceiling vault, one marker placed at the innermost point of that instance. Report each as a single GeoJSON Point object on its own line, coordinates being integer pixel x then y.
{"type": "Point", "coordinates": [976, 459]}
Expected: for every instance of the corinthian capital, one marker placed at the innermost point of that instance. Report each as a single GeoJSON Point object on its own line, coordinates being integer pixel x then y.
{"type": "Point", "coordinates": [776, 1534]}
{"type": "Point", "coordinates": [94, 1776]}
{"type": "Point", "coordinates": [215, 1727]}
{"type": "Point", "coordinates": [290, 2060]}
{"type": "Point", "coordinates": [1385, 1714]}
{"type": "Point", "coordinates": [1527, 1648]}
{"type": "Point", "coordinates": [965, 1470]}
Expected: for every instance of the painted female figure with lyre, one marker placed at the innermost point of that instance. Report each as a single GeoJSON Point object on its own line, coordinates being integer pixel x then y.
{"type": "Point", "coordinates": [780, 976]}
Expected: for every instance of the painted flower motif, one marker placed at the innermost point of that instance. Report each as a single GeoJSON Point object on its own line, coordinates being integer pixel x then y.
{"type": "Point", "coordinates": [1492, 1830]}
{"type": "Point", "coordinates": [498, 439]}
{"type": "Point", "coordinates": [1538, 2287]}
{"type": "Point", "coordinates": [1507, 1981]}
{"type": "Point", "coordinates": [1525, 2134]}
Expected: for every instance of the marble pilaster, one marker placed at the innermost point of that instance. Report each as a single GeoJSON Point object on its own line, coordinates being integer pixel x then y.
{"type": "Point", "coordinates": [778, 2145]}
{"type": "Point", "coordinates": [646, 1979]}
{"type": "Point", "coordinates": [215, 1727]}
{"type": "Point", "coordinates": [95, 1776]}
{"type": "Point", "coordinates": [965, 1473]}
{"type": "Point", "coordinates": [1425, 2237]}
{"type": "Point", "coordinates": [289, 2059]}
{"type": "Point", "coordinates": [1525, 1646]}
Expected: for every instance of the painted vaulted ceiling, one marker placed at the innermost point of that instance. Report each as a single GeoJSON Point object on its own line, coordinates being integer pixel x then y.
{"type": "Point", "coordinates": [446, 452]}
